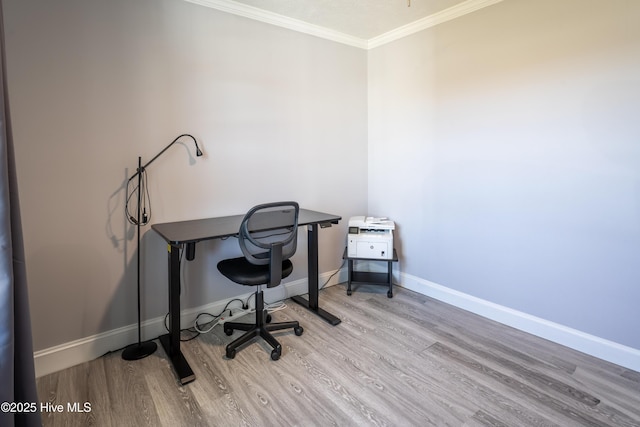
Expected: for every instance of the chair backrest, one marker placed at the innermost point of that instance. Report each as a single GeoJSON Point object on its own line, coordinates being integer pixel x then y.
{"type": "Point", "coordinates": [269, 235]}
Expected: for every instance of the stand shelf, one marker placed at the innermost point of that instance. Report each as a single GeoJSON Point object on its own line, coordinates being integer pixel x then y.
{"type": "Point", "coordinates": [370, 278]}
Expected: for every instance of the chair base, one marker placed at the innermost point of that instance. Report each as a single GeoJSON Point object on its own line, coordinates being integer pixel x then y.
{"type": "Point", "coordinates": [260, 329]}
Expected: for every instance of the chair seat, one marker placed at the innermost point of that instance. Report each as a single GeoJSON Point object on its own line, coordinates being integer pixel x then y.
{"type": "Point", "coordinates": [241, 271]}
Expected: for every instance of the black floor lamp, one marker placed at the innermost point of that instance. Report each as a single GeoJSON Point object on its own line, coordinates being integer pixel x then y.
{"type": "Point", "coordinates": [141, 349]}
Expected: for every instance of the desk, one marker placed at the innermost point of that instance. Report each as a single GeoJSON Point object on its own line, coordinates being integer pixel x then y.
{"type": "Point", "coordinates": [187, 233]}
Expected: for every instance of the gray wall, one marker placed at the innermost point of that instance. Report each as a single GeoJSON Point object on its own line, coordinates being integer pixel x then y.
{"type": "Point", "coordinates": [94, 84]}
{"type": "Point", "coordinates": [506, 145]}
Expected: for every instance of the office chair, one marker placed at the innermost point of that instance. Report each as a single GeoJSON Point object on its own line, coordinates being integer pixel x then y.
{"type": "Point", "coordinates": [268, 238]}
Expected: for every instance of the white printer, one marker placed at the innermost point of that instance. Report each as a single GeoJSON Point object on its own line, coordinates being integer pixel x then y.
{"type": "Point", "coordinates": [370, 237]}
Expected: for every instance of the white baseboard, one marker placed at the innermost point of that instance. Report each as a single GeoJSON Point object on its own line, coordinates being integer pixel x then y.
{"type": "Point", "coordinates": [63, 356]}
{"type": "Point", "coordinates": [592, 345]}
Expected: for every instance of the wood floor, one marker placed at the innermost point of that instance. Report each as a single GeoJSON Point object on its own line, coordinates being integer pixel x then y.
{"type": "Point", "coordinates": [405, 361]}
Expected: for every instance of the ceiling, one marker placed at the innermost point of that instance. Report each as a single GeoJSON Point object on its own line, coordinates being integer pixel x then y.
{"type": "Point", "coordinates": [361, 23]}
{"type": "Point", "coordinates": [364, 19]}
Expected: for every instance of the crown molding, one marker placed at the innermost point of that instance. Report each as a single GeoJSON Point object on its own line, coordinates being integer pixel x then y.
{"type": "Point", "coordinates": [430, 21]}
{"type": "Point", "coordinates": [261, 15]}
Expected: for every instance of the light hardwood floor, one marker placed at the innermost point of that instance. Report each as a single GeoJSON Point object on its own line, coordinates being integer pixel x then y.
{"type": "Point", "coordinates": [405, 361]}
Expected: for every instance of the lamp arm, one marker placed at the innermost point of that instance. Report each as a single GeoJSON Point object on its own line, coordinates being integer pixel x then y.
{"type": "Point", "coordinates": [141, 169]}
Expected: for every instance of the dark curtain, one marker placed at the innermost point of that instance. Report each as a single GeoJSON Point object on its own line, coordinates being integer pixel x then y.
{"type": "Point", "coordinates": [17, 374]}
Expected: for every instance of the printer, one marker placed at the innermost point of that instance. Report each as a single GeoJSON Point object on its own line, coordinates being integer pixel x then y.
{"type": "Point", "coordinates": [370, 237]}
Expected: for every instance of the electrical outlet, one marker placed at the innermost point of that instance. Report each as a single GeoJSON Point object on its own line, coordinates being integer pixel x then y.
{"type": "Point", "coordinates": [237, 313]}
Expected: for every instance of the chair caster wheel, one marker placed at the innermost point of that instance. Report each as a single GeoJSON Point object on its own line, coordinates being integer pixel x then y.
{"type": "Point", "coordinates": [389, 294]}
{"type": "Point", "coordinates": [268, 318]}
{"type": "Point", "coordinates": [349, 292]}
{"type": "Point", "coordinates": [231, 353]}
{"type": "Point", "coordinates": [298, 331]}
{"type": "Point", "coordinates": [228, 331]}
{"type": "Point", "coordinates": [275, 354]}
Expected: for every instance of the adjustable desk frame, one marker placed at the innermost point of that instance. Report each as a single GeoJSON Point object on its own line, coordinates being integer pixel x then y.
{"type": "Point", "coordinates": [188, 233]}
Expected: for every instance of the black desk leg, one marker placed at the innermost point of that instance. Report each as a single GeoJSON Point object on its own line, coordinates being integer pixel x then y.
{"type": "Point", "coordinates": [171, 341]}
{"type": "Point", "coordinates": [312, 260]}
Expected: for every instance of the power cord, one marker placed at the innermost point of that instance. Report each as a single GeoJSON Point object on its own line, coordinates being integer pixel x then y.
{"type": "Point", "coordinates": [144, 199]}
{"type": "Point", "coordinates": [192, 330]}
{"type": "Point", "coordinates": [334, 273]}
{"type": "Point", "coordinates": [215, 318]}
{"type": "Point", "coordinates": [197, 328]}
